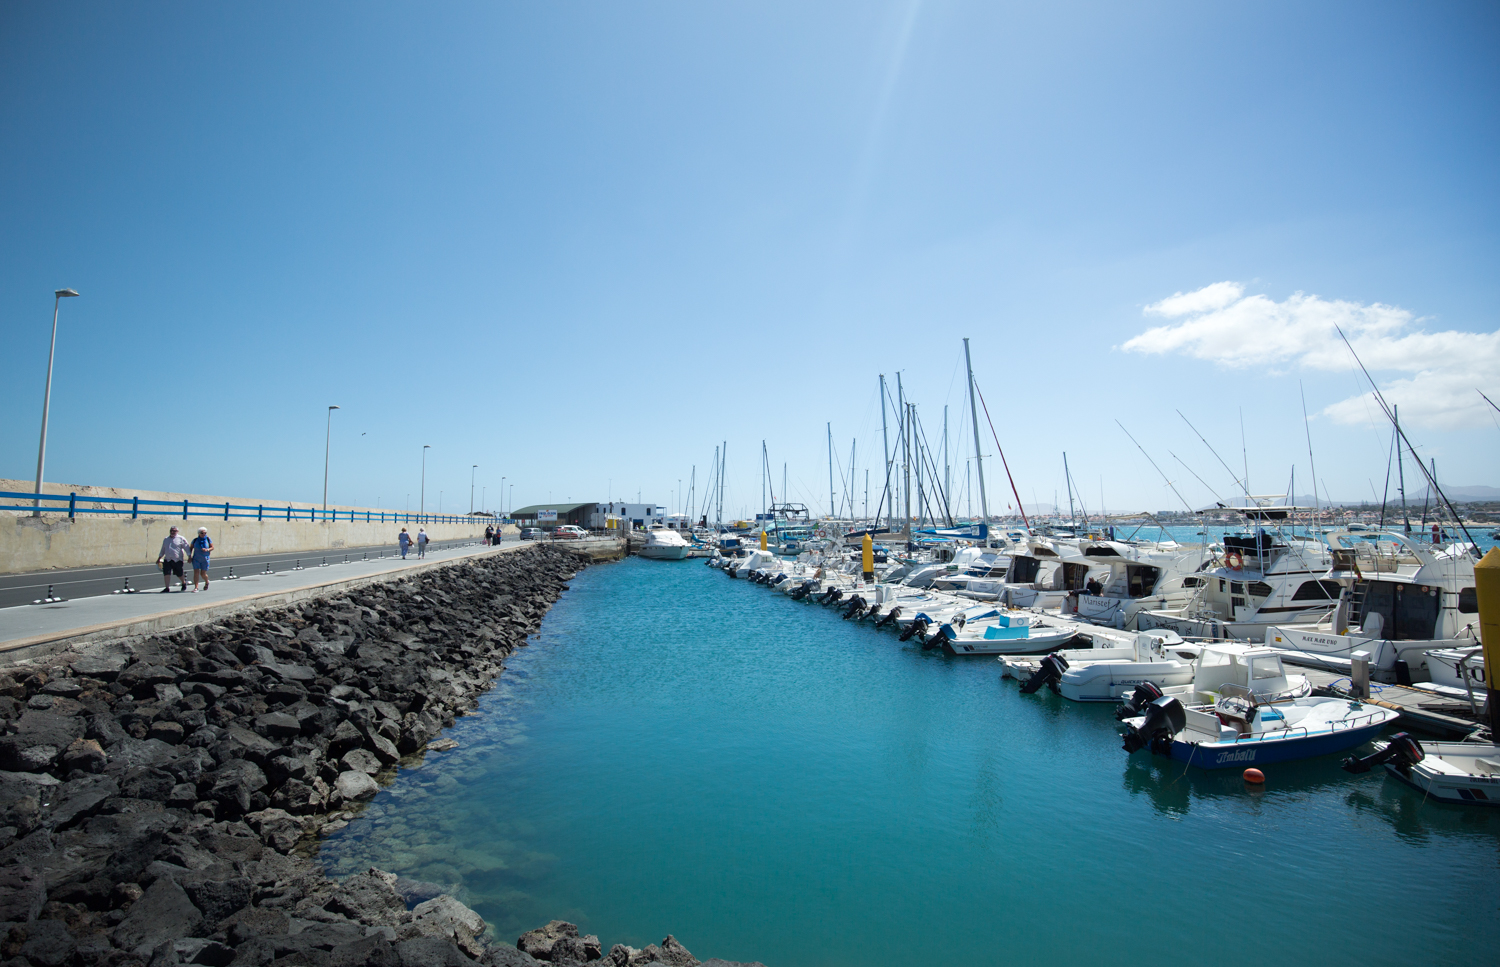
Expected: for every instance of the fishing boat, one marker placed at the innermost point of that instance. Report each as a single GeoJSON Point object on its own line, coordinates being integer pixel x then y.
{"type": "Point", "coordinates": [1267, 578]}
{"type": "Point", "coordinates": [1452, 772]}
{"type": "Point", "coordinates": [1110, 670]}
{"type": "Point", "coordinates": [1398, 599]}
{"type": "Point", "coordinates": [1239, 730]}
{"type": "Point", "coordinates": [1141, 576]}
{"type": "Point", "coordinates": [1005, 633]}
{"type": "Point", "coordinates": [664, 544]}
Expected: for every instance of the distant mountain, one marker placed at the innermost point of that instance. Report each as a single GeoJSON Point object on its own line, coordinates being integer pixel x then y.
{"type": "Point", "coordinates": [1472, 492]}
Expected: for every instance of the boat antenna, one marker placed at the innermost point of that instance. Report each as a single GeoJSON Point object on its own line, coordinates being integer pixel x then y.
{"type": "Point", "coordinates": [1487, 399]}
{"type": "Point", "coordinates": [1155, 467]}
{"type": "Point", "coordinates": [1391, 415]}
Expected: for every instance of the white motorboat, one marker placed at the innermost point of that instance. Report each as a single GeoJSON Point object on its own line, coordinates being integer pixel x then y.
{"type": "Point", "coordinates": [1141, 576]}
{"type": "Point", "coordinates": [1113, 671]}
{"type": "Point", "coordinates": [1240, 730]}
{"type": "Point", "coordinates": [1266, 579]}
{"type": "Point", "coordinates": [1005, 633]}
{"type": "Point", "coordinates": [1399, 598]}
{"type": "Point", "coordinates": [1453, 772]}
{"type": "Point", "coordinates": [665, 544]}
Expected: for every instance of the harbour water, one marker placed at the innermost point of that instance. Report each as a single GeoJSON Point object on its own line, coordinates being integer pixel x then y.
{"type": "Point", "coordinates": [679, 752]}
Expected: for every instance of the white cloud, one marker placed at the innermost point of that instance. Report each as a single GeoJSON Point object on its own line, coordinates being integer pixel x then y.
{"type": "Point", "coordinates": [1221, 324]}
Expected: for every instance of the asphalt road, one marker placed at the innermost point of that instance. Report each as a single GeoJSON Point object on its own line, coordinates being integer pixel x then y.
{"type": "Point", "coordinates": [17, 589]}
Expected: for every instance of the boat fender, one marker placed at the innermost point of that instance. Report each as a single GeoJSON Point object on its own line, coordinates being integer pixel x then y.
{"type": "Point", "coordinates": [1049, 673]}
{"type": "Point", "coordinates": [1402, 751]}
{"type": "Point", "coordinates": [1145, 693]}
{"type": "Point", "coordinates": [1163, 719]}
{"type": "Point", "coordinates": [1255, 777]}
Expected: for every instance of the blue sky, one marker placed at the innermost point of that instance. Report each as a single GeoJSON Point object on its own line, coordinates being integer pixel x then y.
{"type": "Point", "coordinates": [580, 244]}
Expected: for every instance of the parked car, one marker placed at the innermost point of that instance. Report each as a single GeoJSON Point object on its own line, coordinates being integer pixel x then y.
{"type": "Point", "coordinates": [532, 534]}
{"type": "Point", "coordinates": [569, 532]}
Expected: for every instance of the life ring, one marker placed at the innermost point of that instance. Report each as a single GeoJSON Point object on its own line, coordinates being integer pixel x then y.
{"type": "Point", "coordinates": [1235, 561]}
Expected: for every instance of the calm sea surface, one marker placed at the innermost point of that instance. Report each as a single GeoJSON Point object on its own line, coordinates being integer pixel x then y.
{"type": "Point", "coordinates": [680, 752]}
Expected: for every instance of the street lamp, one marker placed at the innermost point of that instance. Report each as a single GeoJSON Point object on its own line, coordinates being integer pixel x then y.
{"type": "Point", "coordinates": [422, 496]}
{"type": "Point", "coordinates": [502, 496]}
{"type": "Point", "coordinates": [327, 443]}
{"type": "Point", "coordinates": [471, 489]}
{"type": "Point", "coordinates": [41, 453]}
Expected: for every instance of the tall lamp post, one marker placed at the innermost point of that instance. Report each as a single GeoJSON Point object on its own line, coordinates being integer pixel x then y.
{"type": "Point", "coordinates": [327, 444]}
{"type": "Point", "coordinates": [41, 453]}
{"type": "Point", "coordinates": [502, 496]}
{"type": "Point", "coordinates": [471, 489]}
{"type": "Point", "coordinates": [422, 497]}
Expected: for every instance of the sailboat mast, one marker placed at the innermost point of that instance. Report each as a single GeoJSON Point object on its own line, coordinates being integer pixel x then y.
{"type": "Point", "coordinates": [830, 469]}
{"type": "Point", "coordinates": [723, 462]}
{"type": "Point", "coordinates": [885, 444]}
{"type": "Point", "coordinates": [947, 470]}
{"type": "Point", "coordinates": [984, 506]}
{"type": "Point", "coordinates": [906, 466]}
{"type": "Point", "coordinates": [1068, 479]}
{"type": "Point", "coordinates": [1401, 473]}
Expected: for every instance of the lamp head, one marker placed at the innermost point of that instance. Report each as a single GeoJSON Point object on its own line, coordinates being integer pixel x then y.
{"type": "Point", "coordinates": [334, 407]}
{"type": "Point", "coordinates": [65, 293]}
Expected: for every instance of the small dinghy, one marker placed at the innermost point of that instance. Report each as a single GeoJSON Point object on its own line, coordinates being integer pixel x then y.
{"type": "Point", "coordinates": [1456, 772]}
{"type": "Point", "coordinates": [1238, 730]}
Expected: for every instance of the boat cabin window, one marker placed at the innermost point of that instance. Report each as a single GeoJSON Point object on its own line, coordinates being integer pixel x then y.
{"type": "Point", "coordinates": [1075, 576]}
{"type": "Point", "coordinates": [1191, 582]}
{"type": "Point", "coordinates": [1221, 585]}
{"type": "Point", "coordinates": [1259, 589]}
{"type": "Point", "coordinates": [1267, 667]}
{"type": "Point", "coordinates": [1236, 587]}
{"type": "Point", "coordinates": [1023, 570]}
{"type": "Point", "coordinates": [1317, 591]}
{"type": "Point", "coordinates": [1409, 611]}
{"type": "Point", "coordinates": [1142, 579]}
{"type": "Point", "coordinates": [1468, 601]}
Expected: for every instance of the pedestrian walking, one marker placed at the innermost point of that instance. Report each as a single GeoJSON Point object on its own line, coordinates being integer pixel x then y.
{"type": "Point", "coordinates": [173, 547]}
{"type": "Point", "coordinates": [404, 539]}
{"type": "Point", "coordinates": [489, 533]}
{"type": "Point", "coordinates": [421, 542]}
{"type": "Point", "coordinates": [202, 547]}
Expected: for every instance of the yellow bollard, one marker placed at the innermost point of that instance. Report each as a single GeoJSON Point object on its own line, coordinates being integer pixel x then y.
{"type": "Point", "coordinates": [1487, 589]}
{"type": "Point", "coordinates": [868, 557]}
{"type": "Point", "coordinates": [762, 540]}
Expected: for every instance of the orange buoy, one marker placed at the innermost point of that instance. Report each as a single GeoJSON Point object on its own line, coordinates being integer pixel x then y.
{"type": "Point", "coordinates": [1255, 776]}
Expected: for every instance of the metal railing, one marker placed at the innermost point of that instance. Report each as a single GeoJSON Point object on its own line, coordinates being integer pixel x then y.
{"type": "Point", "coordinates": [73, 506]}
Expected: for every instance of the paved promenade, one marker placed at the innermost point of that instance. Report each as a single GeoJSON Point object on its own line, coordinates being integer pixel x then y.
{"type": "Point", "coordinates": [32, 629]}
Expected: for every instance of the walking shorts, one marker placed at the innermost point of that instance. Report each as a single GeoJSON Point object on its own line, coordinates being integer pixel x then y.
{"type": "Point", "coordinates": [171, 567]}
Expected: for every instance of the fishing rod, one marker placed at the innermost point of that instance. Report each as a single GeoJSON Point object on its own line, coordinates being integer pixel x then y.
{"type": "Point", "coordinates": [1389, 414]}
{"type": "Point", "coordinates": [1487, 399]}
{"type": "Point", "coordinates": [1242, 484]}
{"type": "Point", "coordinates": [1156, 468]}
{"type": "Point", "coordinates": [1199, 479]}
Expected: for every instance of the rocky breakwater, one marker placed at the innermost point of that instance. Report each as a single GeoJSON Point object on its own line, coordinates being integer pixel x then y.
{"type": "Point", "coordinates": [160, 798]}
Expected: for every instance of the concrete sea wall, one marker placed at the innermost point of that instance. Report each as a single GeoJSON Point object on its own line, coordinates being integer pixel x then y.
{"type": "Point", "coordinates": [38, 543]}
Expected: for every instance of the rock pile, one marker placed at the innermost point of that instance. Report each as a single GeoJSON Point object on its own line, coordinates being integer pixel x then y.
{"type": "Point", "coordinates": [155, 794]}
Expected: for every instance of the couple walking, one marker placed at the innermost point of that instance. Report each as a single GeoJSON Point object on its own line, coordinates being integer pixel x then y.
{"type": "Point", "coordinates": [174, 549]}
{"type": "Point", "coordinates": [405, 540]}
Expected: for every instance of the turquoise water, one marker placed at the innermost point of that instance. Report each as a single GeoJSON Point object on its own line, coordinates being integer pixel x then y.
{"type": "Point", "coordinates": [680, 752]}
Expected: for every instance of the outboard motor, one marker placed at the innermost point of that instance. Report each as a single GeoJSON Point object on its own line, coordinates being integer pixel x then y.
{"type": "Point", "coordinates": [936, 642]}
{"type": "Point", "coordinates": [1049, 674]}
{"type": "Point", "coordinates": [1145, 693]}
{"type": "Point", "coordinates": [804, 591]}
{"type": "Point", "coordinates": [889, 619]}
{"type": "Point", "coordinates": [831, 595]}
{"type": "Point", "coordinates": [856, 607]}
{"type": "Point", "coordinates": [917, 627]}
{"type": "Point", "coordinates": [1164, 718]}
{"type": "Point", "coordinates": [873, 612]}
{"type": "Point", "coordinates": [779, 578]}
{"type": "Point", "coordinates": [1403, 751]}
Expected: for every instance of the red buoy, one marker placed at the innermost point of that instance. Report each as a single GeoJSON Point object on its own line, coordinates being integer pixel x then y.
{"type": "Point", "coordinates": [1255, 776]}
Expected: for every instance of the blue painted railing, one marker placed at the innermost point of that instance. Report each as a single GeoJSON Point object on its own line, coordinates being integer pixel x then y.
{"type": "Point", "coordinates": [134, 507]}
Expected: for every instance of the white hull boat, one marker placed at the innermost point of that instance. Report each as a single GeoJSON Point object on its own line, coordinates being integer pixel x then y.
{"type": "Point", "coordinates": [1466, 773]}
